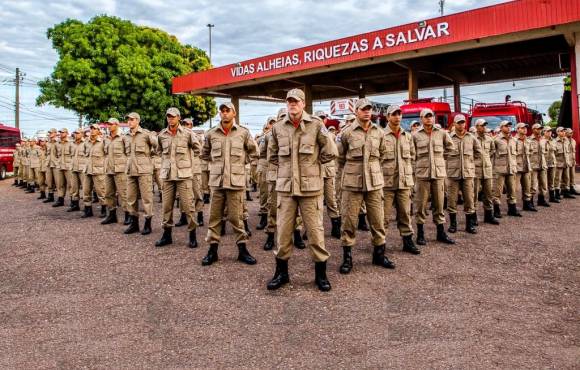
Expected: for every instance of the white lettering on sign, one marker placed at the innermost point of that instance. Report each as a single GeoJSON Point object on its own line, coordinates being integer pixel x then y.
{"type": "Point", "coordinates": [344, 49]}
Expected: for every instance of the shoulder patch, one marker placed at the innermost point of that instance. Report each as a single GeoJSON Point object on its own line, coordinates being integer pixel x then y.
{"type": "Point", "coordinates": [323, 129]}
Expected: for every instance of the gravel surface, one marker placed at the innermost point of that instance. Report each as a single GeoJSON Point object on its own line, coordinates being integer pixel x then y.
{"type": "Point", "coordinates": [76, 294]}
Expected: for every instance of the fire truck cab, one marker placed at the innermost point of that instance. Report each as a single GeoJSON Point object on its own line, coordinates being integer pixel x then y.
{"type": "Point", "coordinates": [513, 111]}
{"type": "Point", "coordinates": [412, 108]}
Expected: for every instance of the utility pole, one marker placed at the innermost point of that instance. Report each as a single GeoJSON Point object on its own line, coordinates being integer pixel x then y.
{"type": "Point", "coordinates": [17, 99]}
{"type": "Point", "coordinates": [441, 7]}
{"type": "Point", "coordinates": [80, 120]}
{"type": "Point", "coordinates": [210, 26]}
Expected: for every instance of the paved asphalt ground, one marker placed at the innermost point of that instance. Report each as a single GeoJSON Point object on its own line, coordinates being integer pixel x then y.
{"type": "Point", "coordinates": [75, 294]}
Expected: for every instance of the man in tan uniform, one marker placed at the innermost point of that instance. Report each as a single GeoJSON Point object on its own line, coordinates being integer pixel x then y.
{"type": "Point", "coordinates": [398, 177]}
{"type": "Point", "coordinates": [484, 172]}
{"type": "Point", "coordinates": [329, 176]}
{"type": "Point", "coordinates": [117, 147]}
{"type": "Point", "coordinates": [262, 173]}
{"type": "Point", "coordinates": [360, 150]}
{"type": "Point", "coordinates": [563, 162]}
{"type": "Point", "coordinates": [461, 173]}
{"type": "Point", "coordinates": [16, 164]}
{"type": "Point", "coordinates": [156, 159]}
{"type": "Point", "coordinates": [431, 144]}
{"type": "Point", "coordinates": [550, 163]}
{"type": "Point", "coordinates": [52, 170]}
{"type": "Point", "coordinates": [79, 165]}
{"type": "Point", "coordinates": [538, 154]}
{"type": "Point", "coordinates": [64, 152]}
{"type": "Point", "coordinates": [226, 149]}
{"type": "Point", "coordinates": [34, 157]}
{"type": "Point", "coordinates": [24, 163]}
{"type": "Point", "coordinates": [94, 150]}
{"type": "Point", "coordinates": [139, 173]}
{"type": "Point", "coordinates": [523, 176]}
{"type": "Point", "coordinates": [298, 147]}
{"type": "Point", "coordinates": [176, 144]}
{"type": "Point", "coordinates": [505, 168]}
{"type": "Point", "coordinates": [572, 169]}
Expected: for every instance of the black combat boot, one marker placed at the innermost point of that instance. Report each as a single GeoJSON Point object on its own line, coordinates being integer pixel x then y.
{"type": "Point", "coordinates": [49, 198]}
{"type": "Point", "coordinates": [452, 223]}
{"type": "Point", "coordinates": [95, 197]}
{"type": "Point", "coordinates": [22, 184]}
{"type": "Point", "coordinates": [111, 218]}
{"type": "Point", "coordinates": [248, 196]}
{"type": "Point", "coordinates": [127, 219]}
{"type": "Point", "coordinates": [30, 189]}
{"type": "Point", "coordinates": [245, 256]}
{"type": "Point", "coordinates": [206, 199]}
{"type": "Point", "coordinates": [223, 232]}
{"type": "Point", "coordinates": [298, 242]}
{"type": "Point", "coordinates": [346, 266]}
{"type": "Point", "coordinates": [212, 255]}
{"type": "Point", "coordinates": [133, 226]}
{"type": "Point", "coordinates": [192, 239]}
{"type": "Point", "coordinates": [542, 201]}
{"type": "Point", "coordinates": [263, 222]}
{"type": "Point", "coordinates": [442, 236]}
{"type": "Point", "coordinates": [42, 195]}
{"type": "Point", "coordinates": [488, 217]}
{"type": "Point", "coordinates": [182, 220]}
{"type": "Point", "coordinates": [269, 245]}
{"type": "Point", "coordinates": [247, 228]}
{"type": "Point", "coordinates": [88, 212]}
{"type": "Point", "coordinates": [529, 206]}
{"type": "Point", "coordinates": [470, 223]}
{"type": "Point", "coordinates": [254, 187]}
{"type": "Point", "coordinates": [335, 232]}
{"type": "Point", "coordinates": [166, 238]}
{"type": "Point", "coordinates": [421, 235]}
{"type": "Point", "coordinates": [103, 212]}
{"type": "Point", "coordinates": [320, 276]}
{"type": "Point", "coordinates": [362, 222]}
{"type": "Point", "coordinates": [200, 218]}
{"type": "Point", "coordinates": [380, 259]}
{"type": "Point", "coordinates": [553, 197]}
{"type": "Point", "coordinates": [558, 195]}
{"type": "Point", "coordinates": [496, 211]}
{"type": "Point", "coordinates": [146, 226]}
{"type": "Point", "coordinates": [15, 182]}
{"type": "Point", "coordinates": [513, 210]}
{"type": "Point", "coordinates": [280, 277]}
{"type": "Point", "coordinates": [59, 202]}
{"type": "Point", "coordinates": [74, 206]}
{"type": "Point", "coordinates": [475, 220]}
{"type": "Point", "coordinates": [566, 194]}
{"type": "Point", "coordinates": [409, 246]}
{"type": "Point", "coordinates": [573, 191]}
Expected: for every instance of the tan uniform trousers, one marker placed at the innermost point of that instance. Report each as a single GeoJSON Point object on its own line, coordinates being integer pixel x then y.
{"type": "Point", "coordinates": [509, 181]}
{"type": "Point", "coordinates": [551, 175]}
{"type": "Point", "coordinates": [234, 199]}
{"type": "Point", "coordinates": [62, 182]}
{"type": "Point", "coordinates": [351, 203]}
{"type": "Point", "coordinates": [205, 182]}
{"type": "Point", "coordinates": [561, 177]}
{"type": "Point", "coordinates": [33, 175]}
{"type": "Point", "coordinates": [184, 189]}
{"type": "Point", "coordinates": [263, 187]}
{"type": "Point", "coordinates": [116, 185]}
{"type": "Point", "coordinates": [41, 180]}
{"type": "Point", "coordinates": [16, 169]}
{"type": "Point", "coordinates": [401, 199]}
{"type": "Point", "coordinates": [525, 181]}
{"type": "Point", "coordinates": [96, 182]}
{"type": "Point", "coordinates": [197, 194]}
{"type": "Point", "coordinates": [75, 184]}
{"type": "Point", "coordinates": [311, 209]}
{"type": "Point", "coordinates": [142, 185]}
{"type": "Point", "coordinates": [572, 177]}
{"type": "Point", "coordinates": [157, 179]}
{"type": "Point", "coordinates": [330, 197]}
{"type": "Point", "coordinates": [435, 188]}
{"type": "Point", "coordinates": [466, 186]}
{"type": "Point", "coordinates": [486, 187]}
{"type": "Point", "coordinates": [30, 178]}
{"type": "Point", "coordinates": [21, 174]}
{"type": "Point", "coordinates": [273, 210]}
{"type": "Point", "coordinates": [539, 182]}
{"type": "Point", "coordinates": [51, 175]}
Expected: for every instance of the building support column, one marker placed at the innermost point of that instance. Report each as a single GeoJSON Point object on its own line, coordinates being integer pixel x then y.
{"type": "Point", "coordinates": [236, 103]}
{"type": "Point", "coordinates": [456, 96]}
{"type": "Point", "coordinates": [413, 84]}
{"type": "Point", "coordinates": [575, 77]}
{"type": "Point", "coordinates": [308, 98]}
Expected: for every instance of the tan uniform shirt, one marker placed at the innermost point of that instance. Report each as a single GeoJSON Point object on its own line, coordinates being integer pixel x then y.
{"type": "Point", "coordinates": [53, 161]}
{"type": "Point", "coordinates": [562, 150]}
{"type": "Point", "coordinates": [79, 162]}
{"type": "Point", "coordinates": [504, 160]}
{"type": "Point", "coordinates": [538, 153]}
{"type": "Point", "coordinates": [430, 150]}
{"type": "Point", "coordinates": [35, 157]}
{"type": "Point", "coordinates": [141, 144]}
{"type": "Point", "coordinates": [227, 155]}
{"type": "Point", "coordinates": [461, 159]}
{"type": "Point", "coordinates": [523, 154]}
{"type": "Point", "coordinates": [176, 158]}
{"type": "Point", "coordinates": [551, 155]}
{"type": "Point", "coordinates": [329, 168]}
{"type": "Point", "coordinates": [398, 161]}
{"type": "Point", "coordinates": [116, 150]}
{"type": "Point", "coordinates": [483, 165]}
{"type": "Point", "coordinates": [298, 153]}
{"type": "Point", "coordinates": [262, 152]}
{"type": "Point", "coordinates": [65, 154]}
{"type": "Point", "coordinates": [43, 159]}
{"type": "Point", "coordinates": [95, 153]}
{"type": "Point", "coordinates": [572, 144]}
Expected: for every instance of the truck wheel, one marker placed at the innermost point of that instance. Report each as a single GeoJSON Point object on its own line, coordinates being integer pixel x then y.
{"type": "Point", "coordinates": [2, 172]}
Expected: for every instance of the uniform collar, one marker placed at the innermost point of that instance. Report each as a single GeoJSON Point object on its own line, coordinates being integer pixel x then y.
{"type": "Point", "coordinates": [356, 124]}
{"type": "Point", "coordinates": [306, 118]}
{"type": "Point", "coordinates": [388, 131]}
{"type": "Point", "coordinates": [234, 127]}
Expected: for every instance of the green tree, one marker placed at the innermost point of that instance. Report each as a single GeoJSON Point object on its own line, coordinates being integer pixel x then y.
{"type": "Point", "coordinates": [553, 112]}
{"type": "Point", "coordinates": [109, 67]}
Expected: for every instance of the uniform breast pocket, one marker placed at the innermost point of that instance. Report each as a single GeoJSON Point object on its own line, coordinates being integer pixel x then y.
{"type": "Point", "coordinates": [283, 146]}
{"type": "Point", "coordinates": [375, 144]}
{"type": "Point", "coordinates": [306, 145]}
{"type": "Point", "coordinates": [216, 149]}
{"type": "Point", "coordinates": [238, 175]}
{"type": "Point", "coordinates": [355, 149]}
{"type": "Point", "coordinates": [422, 148]}
{"type": "Point", "coordinates": [237, 148]}
{"type": "Point", "coordinates": [182, 156]}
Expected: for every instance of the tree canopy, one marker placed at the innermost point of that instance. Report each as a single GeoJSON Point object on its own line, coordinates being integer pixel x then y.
{"type": "Point", "coordinates": [109, 67]}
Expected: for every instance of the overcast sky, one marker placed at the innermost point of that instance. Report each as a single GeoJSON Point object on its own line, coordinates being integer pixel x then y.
{"type": "Point", "coordinates": [243, 30]}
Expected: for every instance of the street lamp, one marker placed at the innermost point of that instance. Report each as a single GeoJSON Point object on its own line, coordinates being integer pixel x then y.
{"type": "Point", "coordinates": [209, 27]}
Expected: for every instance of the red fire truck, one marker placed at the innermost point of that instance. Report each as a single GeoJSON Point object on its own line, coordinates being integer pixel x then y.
{"type": "Point", "coordinates": [513, 111]}
{"type": "Point", "coordinates": [443, 114]}
{"type": "Point", "coordinates": [9, 136]}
